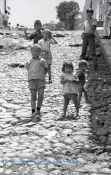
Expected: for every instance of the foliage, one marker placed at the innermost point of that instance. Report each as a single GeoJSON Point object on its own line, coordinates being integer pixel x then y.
{"type": "Point", "coordinates": [54, 26]}
{"type": "Point", "coordinates": [66, 12]}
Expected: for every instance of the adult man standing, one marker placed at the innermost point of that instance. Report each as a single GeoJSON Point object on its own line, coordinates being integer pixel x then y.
{"type": "Point", "coordinates": [5, 19]}
{"type": "Point", "coordinates": [88, 36]}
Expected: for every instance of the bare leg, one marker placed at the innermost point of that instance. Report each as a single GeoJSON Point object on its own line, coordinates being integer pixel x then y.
{"type": "Point", "coordinates": [33, 98]}
{"type": "Point", "coordinates": [66, 102]}
{"type": "Point", "coordinates": [85, 95]}
{"type": "Point", "coordinates": [75, 101]}
{"type": "Point", "coordinates": [40, 97]}
{"type": "Point", "coordinates": [49, 72]}
{"type": "Point", "coordinates": [80, 89]}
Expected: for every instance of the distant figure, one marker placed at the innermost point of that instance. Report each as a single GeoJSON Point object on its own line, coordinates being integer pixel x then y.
{"type": "Point", "coordinates": [81, 76]}
{"type": "Point", "coordinates": [9, 26]}
{"type": "Point", "coordinates": [5, 19]}
{"type": "Point", "coordinates": [37, 69]}
{"type": "Point", "coordinates": [88, 36]}
{"type": "Point", "coordinates": [46, 50]}
{"type": "Point", "coordinates": [107, 22]}
{"type": "Point", "coordinates": [1, 19]}
{"type": "Point", "coordinates": [70, 90]}
{"type": "Point", "coordinates": [37, 35]}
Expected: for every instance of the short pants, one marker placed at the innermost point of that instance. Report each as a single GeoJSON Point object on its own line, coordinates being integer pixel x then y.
{"type": "Point", "coordinates": [70, 96]}
{"type": "Point", "coordinates": [36, 84]}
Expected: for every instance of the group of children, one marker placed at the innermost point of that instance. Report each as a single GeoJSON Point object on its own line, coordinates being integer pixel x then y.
{"type": "Point", "coordinates": [40, 64]}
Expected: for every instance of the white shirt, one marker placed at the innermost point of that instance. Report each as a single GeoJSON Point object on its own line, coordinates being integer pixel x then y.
{"type": "Point", "coordinates": [69, 87]}
{"type": "Point", "coordinates": [45, 46]}
{"type": "Point", "coordinates": [36, 69]}
{"type": "Point", "coordinates": [89, 24]}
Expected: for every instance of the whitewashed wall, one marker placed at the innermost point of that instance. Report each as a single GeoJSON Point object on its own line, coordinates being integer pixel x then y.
{"type": "Point", "coordinates": [2, 6]}
{"type": "Point", "coordinates": [95, 7]}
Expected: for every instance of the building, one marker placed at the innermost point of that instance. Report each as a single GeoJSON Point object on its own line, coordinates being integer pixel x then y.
{"type": "Point", "coordinates": [2, 6]}
{"type": "Point", "coordinates": [99, 7]}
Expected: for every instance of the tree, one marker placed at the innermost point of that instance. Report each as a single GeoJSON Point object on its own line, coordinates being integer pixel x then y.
{"type": "Point", "coordinates": [66, 12]}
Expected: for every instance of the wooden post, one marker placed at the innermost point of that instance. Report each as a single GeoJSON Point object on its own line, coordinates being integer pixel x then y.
{"type": "Point", "coordinates": [5, 6]}
{"type": "Point", "coordinates": [110, 32]}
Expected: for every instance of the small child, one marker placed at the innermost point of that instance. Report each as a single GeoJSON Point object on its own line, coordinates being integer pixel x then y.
{"type": "Point", "coordinates": [70, 90]}
{"type": "Point", "coordinates": [46, 51]}
{"type": "Point", "coordinates": [37, 35]}
{"type": "Point", "coordinates": [37, 69]}
{"type": "Point", "coordinates": [81, 76]}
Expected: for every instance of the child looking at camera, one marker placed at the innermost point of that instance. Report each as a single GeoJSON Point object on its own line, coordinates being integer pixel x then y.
{"type": "Point", "coordinates": [81, 76]}
{"type": "Point", "coordinates": [45, 44]}
{"type": "Point", "coordinates": [37, 69]}
{"type": "Point", "coordinates": [70, 90]}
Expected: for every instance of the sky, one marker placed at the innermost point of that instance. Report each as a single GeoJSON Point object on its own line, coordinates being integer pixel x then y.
{"type": "Point", "coordinates": [25, 12]}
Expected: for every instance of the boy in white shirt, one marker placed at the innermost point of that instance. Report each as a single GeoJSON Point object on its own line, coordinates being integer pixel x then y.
{"type": "Point", "coordinates": [88, 36]}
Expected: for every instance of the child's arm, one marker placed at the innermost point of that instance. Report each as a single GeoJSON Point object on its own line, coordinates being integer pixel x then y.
{"type": "Point", "coordinates": [45, 66]}
{"type": "Point", "coordinates": [75, 80]}
{"type": "Point", "coordinates": [64, 80]}
{"type": "Point", "coordinates": [28, 64]}
{"type": "Point", "coordinates": [26, 35]}
{"type": "Point", "coordinates": [53, 41]}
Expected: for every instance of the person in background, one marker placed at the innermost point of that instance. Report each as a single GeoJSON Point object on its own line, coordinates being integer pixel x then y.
{"type": "Point", "coordinates": [37, 35]}
{"type": "Point", "coordinates": [45, 44]}
{"type": "Point", "coordinates": [107, 21]}
{"type": "Point", "coordinates": [81, 76]}
{"type": "Point", "coordinates": [5, 19]}
{"type": "Point", "coordinates": [37, 69]}
{"type": "Point", "coordinates": [70, 90]}
{"type": "Point", "coordinates": [88, 36]}
{"type": "Point", "coordinates": [1, 19]}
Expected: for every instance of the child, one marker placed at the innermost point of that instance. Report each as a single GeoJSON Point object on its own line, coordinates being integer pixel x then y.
{"type": "Point", "coordinates": [81, 76]}
{"type": "Point", "coordinates": [46, 52]}
{"type": "Point", "coordinates": [37, 69]}
{"type": "Point", "coordinates": [70, 90]}
{"type": "Point", "coordinates": [37, 35]}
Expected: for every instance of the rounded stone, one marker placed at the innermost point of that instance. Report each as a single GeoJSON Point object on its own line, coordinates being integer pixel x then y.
{"type": "Point", "coordinates": [68, 141]}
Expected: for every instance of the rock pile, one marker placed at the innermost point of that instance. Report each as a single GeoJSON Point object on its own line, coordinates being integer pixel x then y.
{"type": "Point", "coordinates": [101, 102]}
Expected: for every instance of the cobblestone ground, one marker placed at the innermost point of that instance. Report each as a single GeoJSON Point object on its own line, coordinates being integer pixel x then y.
{"type": "Point", "coordinates": [50, 147]}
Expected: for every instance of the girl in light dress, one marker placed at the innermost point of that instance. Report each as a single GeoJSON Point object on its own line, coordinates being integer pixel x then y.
{"type": "Point", "coordinates": [45, 44]}
{"type": "Point", "coordinates": [70, 89]}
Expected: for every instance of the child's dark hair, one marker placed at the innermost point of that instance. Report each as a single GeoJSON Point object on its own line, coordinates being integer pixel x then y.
{"type": "Point", "coordinates": [66, 64]}
{"type": "Point", "coordinates": [83, 63]}
{"type": "Point", "coordinates": [37, 22]}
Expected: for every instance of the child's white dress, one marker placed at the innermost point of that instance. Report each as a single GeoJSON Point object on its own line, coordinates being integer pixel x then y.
{"type": "Point", "coordinates": [71, 86]}
{"type": "Point", "coordinates": [46, 50]}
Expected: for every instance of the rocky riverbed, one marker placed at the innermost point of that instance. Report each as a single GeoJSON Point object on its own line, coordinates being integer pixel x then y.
{"type": "Point", "coordinates": [51, 146]}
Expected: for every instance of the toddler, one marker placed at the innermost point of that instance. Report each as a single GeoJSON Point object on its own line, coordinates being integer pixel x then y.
{"type": "Point", "coordinates": [46, 51]}
{"type": "Point", "coordinates": [37, 69]}
{"type": "Point", "coordinates": [81, 76]}
{"type": "Point", "coordinates": [70, 90]}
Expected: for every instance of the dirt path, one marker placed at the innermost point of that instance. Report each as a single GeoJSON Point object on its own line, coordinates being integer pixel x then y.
{"type": "Point", "coordinates": [50, 147]}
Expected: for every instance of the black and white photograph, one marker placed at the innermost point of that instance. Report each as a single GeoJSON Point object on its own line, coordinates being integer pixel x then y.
{"type": "Point", "coordinates": [55, 87]}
